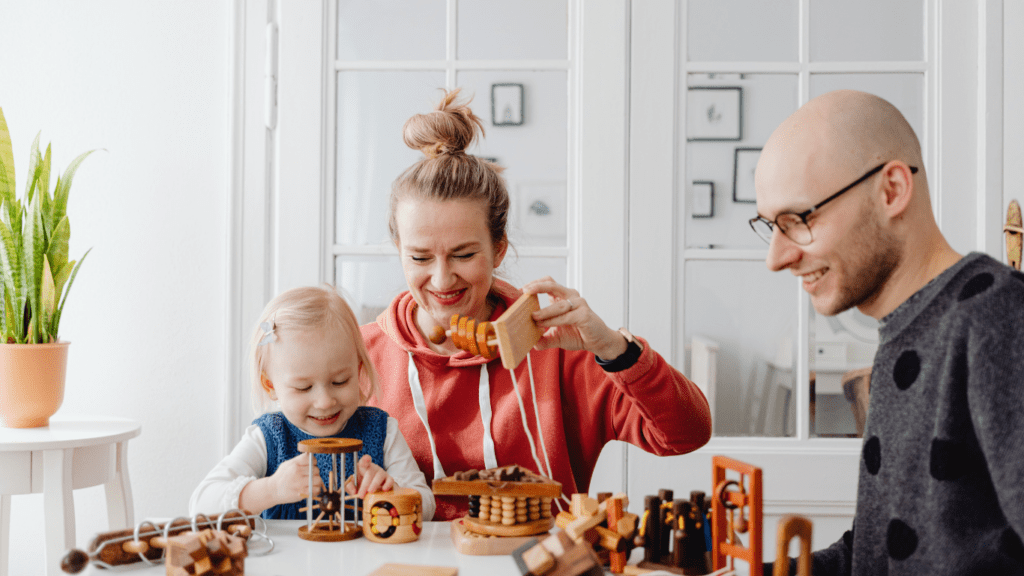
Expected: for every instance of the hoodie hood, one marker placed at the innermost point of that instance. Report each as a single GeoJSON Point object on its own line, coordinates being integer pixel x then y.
{"type": "Point", "coordinates": [398, 323]}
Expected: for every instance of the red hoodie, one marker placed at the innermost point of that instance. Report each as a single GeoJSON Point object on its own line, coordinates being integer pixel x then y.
{"type": "Point", "coordinates": [650, 405]}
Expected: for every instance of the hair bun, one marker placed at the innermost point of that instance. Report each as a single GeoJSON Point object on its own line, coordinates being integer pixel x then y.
{"type": "Point", "coordinates": [449, 129]}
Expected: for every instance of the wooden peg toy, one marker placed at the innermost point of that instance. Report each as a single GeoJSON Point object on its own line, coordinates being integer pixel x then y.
{"type": "Point", "coordinates": [330, 525]}
{"type": "Point", "coordinates": [511, 336]}
{"type": "Point", "coordinates": [1014, 230]}
{"type": "Point", "coordinates": [393, 517]}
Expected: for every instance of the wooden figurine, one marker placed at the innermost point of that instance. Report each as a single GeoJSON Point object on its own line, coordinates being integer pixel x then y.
{"type": "Point", "coordinates": [511, 336]}
{"type": "Point", "coordinates": [206, 553]}
{"type": "Point", "coordinates": [330, 525]}
{"type": "Point", "coordinates": [790, 526]}
{"type": "Point", "coordinates": [1014, 230]}
{"type": "Point", "coordinates": [557, 555]}
{"type": "Point", "coordinates": [393, 517]}
{"type": "Point", "coordinates": [507, 502]}
{"type": "Point", "coordinates": [148, 542]}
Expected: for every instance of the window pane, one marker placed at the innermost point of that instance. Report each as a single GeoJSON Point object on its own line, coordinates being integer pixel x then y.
{"type": "Point", "coordinates": [369, 283]}
{"type": "Point", "coordinates": [372, 108]}
{"type": "Point", "coordinates": [867, 30]}
{"type": "Point", "coordinates": [525, 29]}
{"type": "Point", "coordinates": [904, 91]}
{"type": "Point", "coordinates": [391, 30]}
{"type": "Point", "coordinates": [533, 153]}
{"type": "Point", "coordinates": [520, 270]}
{"type": "Point", "coordinates": [713, 101]}
{"type": "Point", "coordinates": [842, 350]}
{"type": "Point", "coordinates": [740, 333]}
{"type": "Point", "coordinates": [742, 30]}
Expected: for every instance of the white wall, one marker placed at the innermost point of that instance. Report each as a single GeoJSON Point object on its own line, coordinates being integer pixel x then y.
{"type": "Point", "coordinates": [149, 83]}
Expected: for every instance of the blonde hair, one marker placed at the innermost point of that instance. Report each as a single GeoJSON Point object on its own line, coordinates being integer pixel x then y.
{"type": "Point", "coordinates": [447, 172]}
{"type": "Point", "coordinates": [307, 308]}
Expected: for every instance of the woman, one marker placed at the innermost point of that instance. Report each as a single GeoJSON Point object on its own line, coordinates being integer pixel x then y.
{"type": "Point", "coordinates": [581, 386]}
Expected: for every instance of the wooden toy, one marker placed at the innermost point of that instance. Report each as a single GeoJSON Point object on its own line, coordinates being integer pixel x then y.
{"type": "Point", "coordinates": [210, 552]}
{"type": "Point", "coordinates": [672, 533]}
{"type": "Point", "coordinates": [511, 336]}
{"type": "Point", "coordinates": [414, 570]}
{"type": "Point", "coordinates": [393, 517]}
{"type": "Point", "coordinates": [1014, 234]}
{"type": "Point", "coordinates": [474, 544]}
{"type": "Point", "coordinates": [148, 542]}
{"type": "Point", "coordinates": [733, 503]}
{"type": "Point", "coordinates": [790, 526]}
{"type": "Point", "coordinates": [557, 555]}
{"type": "Point", "coordinates": [505, 502]}
{"type": "Point", "coordinates": [604, 525]}
{"type": "Point", "coordinates": [330, 525]}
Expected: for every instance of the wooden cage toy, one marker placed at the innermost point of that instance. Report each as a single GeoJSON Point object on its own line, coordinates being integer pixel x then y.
{"type": "Point", "coordinates": [330, 525]}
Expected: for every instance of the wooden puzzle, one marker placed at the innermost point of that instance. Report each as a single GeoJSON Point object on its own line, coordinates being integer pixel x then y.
{"type": "Point", "coordinates": [558, 555]}
{"type": "Point", "coordinates": [672, 533]}
{"type": "Point", "coordinates": [511, 336]}
{"type": "Point", "coordinates": [148, 542]}
{"type": "Point", "coordinates": [509, 501]}
{"type": "Point", "coordinates": [330, 525]}
{"type": "Point", "coordinates": [206, 553]}
{"type": "Point", "coordinates": [733, 503]}
{"type": "Point", "coordinates": [393, 517]}
{"type": "Point", "coordinates": [790, 527]}
{"type": "Point", "coordinates": [603, 524]}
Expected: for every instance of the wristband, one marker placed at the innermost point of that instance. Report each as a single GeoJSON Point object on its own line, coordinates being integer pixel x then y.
{"type": "Point", "coordinates": [626, 359]}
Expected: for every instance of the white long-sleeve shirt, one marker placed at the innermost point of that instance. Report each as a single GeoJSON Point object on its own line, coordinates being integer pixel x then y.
{"type": "Point", "coordinates": [220, 489]}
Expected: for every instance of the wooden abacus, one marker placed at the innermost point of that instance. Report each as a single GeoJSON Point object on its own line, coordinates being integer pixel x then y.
{"type": "Point", "coordinates": [148, 542]}
{"type": "Point", "coordinates": [331, 502]}
{"type": "Point", "coordinates": [511, 336]}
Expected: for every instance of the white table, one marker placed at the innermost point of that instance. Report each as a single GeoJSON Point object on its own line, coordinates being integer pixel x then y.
{"type": "Point", "coordinates": [293, 556]}
{"type": "Point", "coordinates": [68, 454]}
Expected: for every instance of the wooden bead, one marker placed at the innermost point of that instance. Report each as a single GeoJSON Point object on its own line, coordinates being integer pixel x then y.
{"type": "Point", "coordinates": [135, 547]}
{"type": "Point", "coordinates": [508, 521]}
{"type": "Point", "coordinates": [437, 334]}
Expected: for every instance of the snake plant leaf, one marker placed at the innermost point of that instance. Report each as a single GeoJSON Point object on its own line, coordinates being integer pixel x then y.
{"type": "Point", "coordinates": [43, 185]}
{"type": "Point", "coordinates": [9, 325]}
{"type": "Point", "coordinates": [34, 160]}
{"type": "Point", "coordinates": [49, 295]}
{"type": "Point", "coordinates": [67, 290]}
{"type": "Point", "coordinates": [8, 188]}
{"type": "Point", "coordinates": [60, 194]}
{"type": "Point", "coordinates": [60, 276]}
{"type": "Point", "coordinates": [33, 247]}
{"type": "Point", "coordinates": [10, 262]}
{"type": "Point", "coordinates": [57, 243]}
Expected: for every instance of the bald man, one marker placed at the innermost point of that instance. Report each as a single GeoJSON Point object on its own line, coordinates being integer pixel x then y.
{"type": "Point", "coordinates": [842, 200]}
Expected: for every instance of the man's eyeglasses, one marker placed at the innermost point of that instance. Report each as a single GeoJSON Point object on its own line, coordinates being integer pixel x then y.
{"type": "Point", "coordinates": [794, 224]}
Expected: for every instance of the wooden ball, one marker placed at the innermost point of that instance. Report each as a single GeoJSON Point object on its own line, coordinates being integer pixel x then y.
{"type": "Point", "coordinates": [74, 561]}
{"type": "Point", "coordinates": [437, 335]}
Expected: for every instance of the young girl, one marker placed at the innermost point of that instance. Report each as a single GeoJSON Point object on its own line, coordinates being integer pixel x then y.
{"type": "Point", "coordinates": [308, 356]}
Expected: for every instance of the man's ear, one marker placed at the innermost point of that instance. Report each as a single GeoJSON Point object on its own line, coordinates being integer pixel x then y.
{"type": "Point", "coordinates": [897, 188]}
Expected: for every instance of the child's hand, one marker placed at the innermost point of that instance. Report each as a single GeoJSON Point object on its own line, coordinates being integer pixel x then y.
{"type": "Point", "coordinates": [291, 480]}
{"type": "Point", "coordinates": [372, 478]}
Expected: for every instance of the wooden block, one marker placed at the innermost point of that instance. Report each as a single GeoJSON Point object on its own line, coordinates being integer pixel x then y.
{"type": "Point", "coordinates": [414, 570]}
{"type": "Point", "coordinates": [558, 543]}
{"type": "Point", "coordinates": [538, 560]}
{"type": "Point", "coordinates": [617, 558]}
{"type": "Point", "coordinates": [564, 519]}
{"type": "Point", "coordinates": [578, 560]}
{"type": "Point", "coordinates": [609, 539]}
{"type": "Point", "coordinates": [516, 330]}
{"type": "Point", "coordinates": [578, 527]}
{"type": "Point", "coordinates": [632, 570]}
{"type": "Point", "coordinates": [583, 505]}
{"type": "Point", "coordinates": [627, 525]}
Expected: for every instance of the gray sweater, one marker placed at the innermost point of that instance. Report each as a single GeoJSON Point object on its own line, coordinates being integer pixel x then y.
{"type": "Point", "coordinates": [941, 487]}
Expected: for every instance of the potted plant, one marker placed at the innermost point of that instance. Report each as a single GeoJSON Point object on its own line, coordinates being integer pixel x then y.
{"type": "Point", "coordinates": [35, 277]}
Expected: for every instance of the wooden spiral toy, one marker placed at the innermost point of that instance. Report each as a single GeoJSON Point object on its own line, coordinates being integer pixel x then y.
{"type": "Point", "coordinates": [511, 336]}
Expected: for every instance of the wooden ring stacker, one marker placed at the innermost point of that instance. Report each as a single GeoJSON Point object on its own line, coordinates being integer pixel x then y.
{"type": "Point", "coordinates": [331, 502]}
{"type": "Point", "coordinates": [512, 335]}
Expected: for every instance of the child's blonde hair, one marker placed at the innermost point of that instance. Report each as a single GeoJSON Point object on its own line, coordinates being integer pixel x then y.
{"type": "Point", "coordinates": [306, 308]}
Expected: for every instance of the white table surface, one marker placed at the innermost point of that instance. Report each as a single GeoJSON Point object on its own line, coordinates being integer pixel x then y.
{"type": "Point", "coordinates": [70, 433]}
{"type": "Point", "coordinates": [293, 556]}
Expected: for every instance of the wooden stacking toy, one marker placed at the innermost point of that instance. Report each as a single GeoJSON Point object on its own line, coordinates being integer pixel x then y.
{"type": "Point", "coordinates": [393, 517]}
{"type": "Point", "coordinates": [511, 336]}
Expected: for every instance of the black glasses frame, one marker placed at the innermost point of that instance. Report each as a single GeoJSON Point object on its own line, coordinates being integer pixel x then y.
{"type": "Point", "coordinates": [803, 215]}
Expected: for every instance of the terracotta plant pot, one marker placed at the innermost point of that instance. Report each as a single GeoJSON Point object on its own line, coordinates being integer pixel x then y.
{"type": "Point", "coordinates": [31, 383]}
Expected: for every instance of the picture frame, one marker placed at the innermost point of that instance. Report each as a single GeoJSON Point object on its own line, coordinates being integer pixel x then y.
{"type": "Point", "coordinates": [702, 199]}
{"type": "Point", "coordinates": [714, 114]}
{"type": "Point", "coordinates": [507, 107]}
{"type": "Point", "coordinates": [744, 163]}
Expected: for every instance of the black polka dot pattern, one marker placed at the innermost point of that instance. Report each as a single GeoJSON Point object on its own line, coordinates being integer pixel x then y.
{"type": "Point", "coordinates": [901, 540]}
{"type": "Point", "coordinates": [873, 455]}
{"type": "Point", "coordinates": [949, 459]}
{"type": "Point", "coordinates": [1010, 545]}
{"type": "Point", "coordinates": [976, 286]}
{"type": "Point", "coordinates": [907, 367]}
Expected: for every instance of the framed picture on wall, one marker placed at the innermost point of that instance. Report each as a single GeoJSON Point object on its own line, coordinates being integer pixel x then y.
{"type": "Point", "coordinates": [714, 113]}
{"type": "Point", "coordinates": [702, 199]}
{"type": "Point", "coordinates": [744, 163]}
{"type": "Point", "coordinates": [507, 105]}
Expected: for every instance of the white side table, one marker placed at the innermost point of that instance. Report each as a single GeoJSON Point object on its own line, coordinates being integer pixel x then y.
{"type": "Point", "coordinates": [66, 455]}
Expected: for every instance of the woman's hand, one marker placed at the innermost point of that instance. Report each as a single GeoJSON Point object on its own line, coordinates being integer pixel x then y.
{"type": "Point", "coordinates": [372, 478]}
{"type": "Point", "coordinates": [571, 324]}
